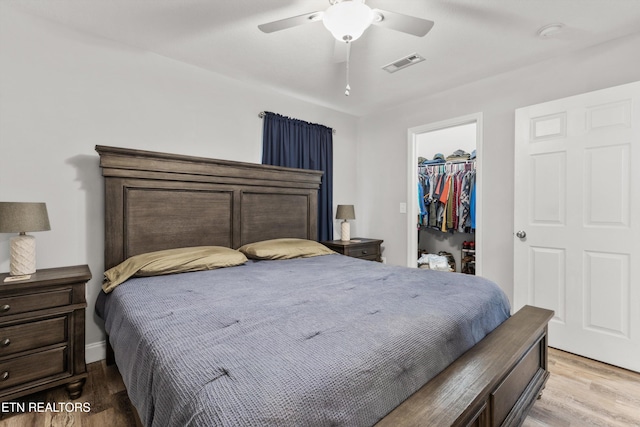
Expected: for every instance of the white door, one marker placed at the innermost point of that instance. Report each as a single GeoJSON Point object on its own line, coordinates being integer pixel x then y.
{"type": "Point", "coordinates": [577, 221]}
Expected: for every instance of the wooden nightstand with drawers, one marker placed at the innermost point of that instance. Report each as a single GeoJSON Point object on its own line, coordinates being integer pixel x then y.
{"type": "Point", "coordinates": [357, 248]}
{"type": "Point", "coordinates": [42, 322]}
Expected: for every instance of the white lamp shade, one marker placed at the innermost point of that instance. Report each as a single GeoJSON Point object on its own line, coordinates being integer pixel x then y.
{"type": "Point", "coordinates": [348, 19]}
{"type": "Point", "coordinates": [345, 212]}
{"type": "Point", "coordinates": [19, 217]}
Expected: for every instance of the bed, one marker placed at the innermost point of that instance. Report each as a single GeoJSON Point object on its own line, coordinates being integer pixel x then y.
{"type": "Point", "coordinates": [398, 363]}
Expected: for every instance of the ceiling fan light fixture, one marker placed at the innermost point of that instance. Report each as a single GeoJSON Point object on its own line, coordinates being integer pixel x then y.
{"type": "Point", "coordinates": [348, 19]}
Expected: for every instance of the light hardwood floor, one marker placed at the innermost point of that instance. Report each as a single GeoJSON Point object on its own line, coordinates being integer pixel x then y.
{"type": "Point", "coordinates": [580, 393]}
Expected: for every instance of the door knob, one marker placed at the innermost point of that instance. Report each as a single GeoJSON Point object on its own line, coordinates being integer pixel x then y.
{"type": "Point", "coordinates": [521, 234]}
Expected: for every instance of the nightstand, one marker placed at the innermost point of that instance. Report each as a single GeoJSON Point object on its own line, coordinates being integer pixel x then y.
{"type": "Point", "coordinates": [357, 248]}
{"type": "Point", "coordinates": [42, 332]}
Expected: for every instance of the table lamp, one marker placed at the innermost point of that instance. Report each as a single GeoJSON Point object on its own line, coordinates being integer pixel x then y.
{"type": "Point", "coordinates": [21, 218]}
{"type": "Point", "coordinates": [345, 212]}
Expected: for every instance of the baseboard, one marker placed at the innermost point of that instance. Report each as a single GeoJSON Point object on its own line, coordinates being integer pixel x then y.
{"type": "Point", "coordinates": [95, 352]}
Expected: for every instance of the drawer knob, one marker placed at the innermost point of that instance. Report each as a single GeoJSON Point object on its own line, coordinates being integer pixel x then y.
{"type": "Point", "coordinates": [364, 251]}
{"type": "Point", "coordinates": [5, 342]}
{"type": "Point", "coordinates": [4, 376]}
{"type": "Point", "coordinates": [5, 308]}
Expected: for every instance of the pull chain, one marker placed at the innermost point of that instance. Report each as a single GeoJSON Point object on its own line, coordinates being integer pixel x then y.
{"type": "Point", "coordinates": [348, 88]}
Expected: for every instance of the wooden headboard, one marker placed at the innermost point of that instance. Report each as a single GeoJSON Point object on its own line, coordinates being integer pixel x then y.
{"type": "Point", "coordinates": [156, 201]}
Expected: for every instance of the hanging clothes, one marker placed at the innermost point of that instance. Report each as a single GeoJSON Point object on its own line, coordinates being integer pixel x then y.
{"type": "Point", "coordinates": [472, 203]}
{"type": "Point", "coordinates": [464, 204]}
{"type": "Point", "coordinates": [422, 188]}
{"type": "Point", "coordinates": [446, 196]}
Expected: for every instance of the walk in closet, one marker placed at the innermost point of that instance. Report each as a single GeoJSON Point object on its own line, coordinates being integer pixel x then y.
{"type": "Point", "coordinates": [446, 193]}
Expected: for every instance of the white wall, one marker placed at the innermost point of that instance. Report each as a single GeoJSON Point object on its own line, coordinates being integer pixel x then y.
{"type": "Point", "coordinates": [382, 153]}
{"type": "Point", "coordinates": [446, 141]}
{"type": "Point", "coordinates": [62, 92]}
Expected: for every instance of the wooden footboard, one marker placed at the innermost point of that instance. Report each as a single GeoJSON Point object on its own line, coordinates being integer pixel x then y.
{"type": "Point", "coordinates": [493, 384]}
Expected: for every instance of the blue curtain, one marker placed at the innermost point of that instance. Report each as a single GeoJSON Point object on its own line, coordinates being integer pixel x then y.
{"type": "Point", "coordinates": [297, 144]}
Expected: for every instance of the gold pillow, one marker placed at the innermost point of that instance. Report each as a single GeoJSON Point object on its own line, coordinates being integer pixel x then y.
{"type": "Point", "coordinates": [172, 261]}
{"type": "Point", "coordinates": [284, 249]}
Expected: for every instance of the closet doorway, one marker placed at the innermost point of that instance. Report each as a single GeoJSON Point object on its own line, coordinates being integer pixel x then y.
{"type": "Point", "coordinates": [461, 135]}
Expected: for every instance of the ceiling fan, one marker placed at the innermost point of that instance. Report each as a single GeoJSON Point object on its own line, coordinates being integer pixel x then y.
{"type": "Point", "coordinates": [347, 20]}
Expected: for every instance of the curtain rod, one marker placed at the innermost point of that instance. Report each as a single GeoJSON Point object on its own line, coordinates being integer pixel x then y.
{"type": "Point", "coordinates": [261, 114]}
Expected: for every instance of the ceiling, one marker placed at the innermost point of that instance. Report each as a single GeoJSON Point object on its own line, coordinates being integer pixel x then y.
{"type": "Point", "coordinates": [471, 40]}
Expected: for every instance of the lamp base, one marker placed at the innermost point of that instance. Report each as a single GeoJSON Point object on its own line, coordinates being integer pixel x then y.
{"type": "Point", "coordinates": [345, 231]}
{"type": "Point", "coordinates": [23, 255]}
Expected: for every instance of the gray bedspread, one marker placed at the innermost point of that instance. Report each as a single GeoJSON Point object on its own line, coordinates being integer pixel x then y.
{"type": "Point", "coordinates": [323, 341]}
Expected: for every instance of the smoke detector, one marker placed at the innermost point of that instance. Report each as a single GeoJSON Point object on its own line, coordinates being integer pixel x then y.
{"type": "Point", "coordinates": [550, 30]}
{"type": "Point", "coordinates": [401, 63]}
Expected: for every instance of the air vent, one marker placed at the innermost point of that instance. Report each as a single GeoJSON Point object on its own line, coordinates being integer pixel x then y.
{"type": "Point", "coordinates": [401, 63]}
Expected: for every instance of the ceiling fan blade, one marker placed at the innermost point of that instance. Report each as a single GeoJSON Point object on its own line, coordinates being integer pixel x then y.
{"type": "Point", "coordinates": [294, 21]}
{"type": "Point", "coordinates": [404, 23]}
